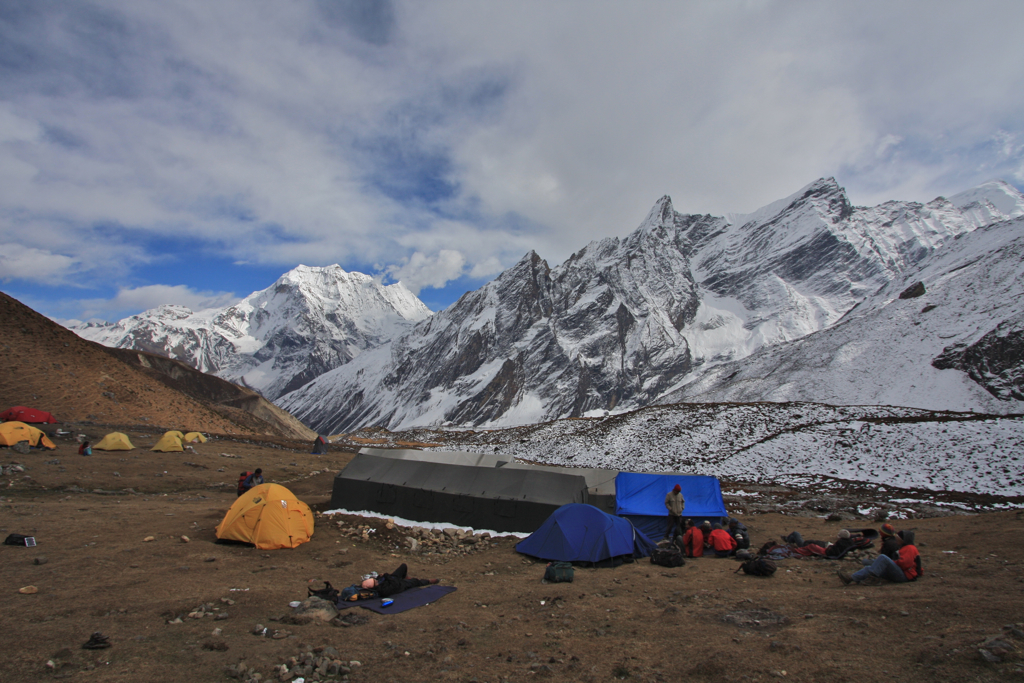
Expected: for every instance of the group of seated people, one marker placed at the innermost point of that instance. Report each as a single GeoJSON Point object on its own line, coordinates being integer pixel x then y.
{"type": "Point", "coordinates": [717, 540]}
{"type": "Point", "coordinates": [898, 559]}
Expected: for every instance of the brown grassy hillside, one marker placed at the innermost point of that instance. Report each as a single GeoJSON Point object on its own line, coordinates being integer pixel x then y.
{"type": "Point", "coordinates": [49, 367]}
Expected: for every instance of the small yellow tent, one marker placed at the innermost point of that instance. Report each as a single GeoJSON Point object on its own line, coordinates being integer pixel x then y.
{"type": "Point", "coordinates": [13, 432]}
{"type": "Point", "coordinates": [175, 432]}
{"type": "Point", "coordinates": [269, 516]}
{"type": "Point", "coordinates": [115, 441]}
{"type": "Point", "coordinates": [170, 441]}
{"type": "Point", "coordinates": [192, 437]}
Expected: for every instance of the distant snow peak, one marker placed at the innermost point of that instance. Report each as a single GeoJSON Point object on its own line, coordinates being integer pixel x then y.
{"type": "Point", "coordinates": [312, 319]}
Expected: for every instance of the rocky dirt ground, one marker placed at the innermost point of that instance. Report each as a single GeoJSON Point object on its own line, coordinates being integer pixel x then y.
{"type": "Point", "coordinates": [94, 571]}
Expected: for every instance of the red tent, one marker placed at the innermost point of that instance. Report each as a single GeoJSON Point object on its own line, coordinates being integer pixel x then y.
{"type": "Point", "coordinates": [29, 415]}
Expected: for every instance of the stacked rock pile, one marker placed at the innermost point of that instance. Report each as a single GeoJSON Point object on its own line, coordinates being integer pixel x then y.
{"type": "Point", "coordinates": [320, 664]}
{"type": "Point", "coordinates": [449, 541]}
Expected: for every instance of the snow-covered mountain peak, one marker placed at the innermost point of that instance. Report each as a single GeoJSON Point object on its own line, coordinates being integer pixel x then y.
{"type": "Point", "coordinates": [824, 196]}
{"type": "Point", "coordinates": [662, 215]}
{"type": "Point", "coordinates": [312, 319]}
{"type": "Point", "coordinates": [989, 202]}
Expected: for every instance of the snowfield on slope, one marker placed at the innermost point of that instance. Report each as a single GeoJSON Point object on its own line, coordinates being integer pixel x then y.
{"type": "Point", "coordinates": [784, 443]}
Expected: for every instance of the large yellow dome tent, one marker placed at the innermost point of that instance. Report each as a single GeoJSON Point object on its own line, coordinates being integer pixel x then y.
{"type": "Point", "coordinates": [170, 441]}
{"type": "Point", "coordinates": [114, 441]}
{"type": "Point", "coordinates": [192, 437]}
{"type": "Point", "coordinates": [11, 433]}
{"type": "Point", "coordinates": [269, 516]}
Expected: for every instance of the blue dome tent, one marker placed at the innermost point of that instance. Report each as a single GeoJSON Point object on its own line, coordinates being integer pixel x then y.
{"type": "Point", "coordinates": [577, 532]}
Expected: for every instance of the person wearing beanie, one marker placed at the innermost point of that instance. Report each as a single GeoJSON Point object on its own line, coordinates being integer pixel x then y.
{"type": "Point", "coordinates": [890, 542]}
{"type": "Point", "coordinates": [674, 503]}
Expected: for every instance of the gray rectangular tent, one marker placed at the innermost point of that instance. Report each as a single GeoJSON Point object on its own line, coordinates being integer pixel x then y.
{"type": "Point", "coordinates": [600, 482]}
{"type": "Point", "coordinates": [495, 498]}
{"type": "Point", "coordinates": [450, 457]}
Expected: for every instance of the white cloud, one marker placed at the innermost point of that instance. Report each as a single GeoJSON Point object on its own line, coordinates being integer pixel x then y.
{"type": "Point", "coordinates": [151, 296]}
{"type": "Point", "coordinates": [419, 270]}
{"type": "Point", "coordinates": [18, 262]}
{"type": "Point", "coordinates": [424, 130]}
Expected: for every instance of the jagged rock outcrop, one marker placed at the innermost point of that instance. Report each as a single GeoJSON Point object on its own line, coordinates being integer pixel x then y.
{"type": "Point", "coordinates": [996, 361]}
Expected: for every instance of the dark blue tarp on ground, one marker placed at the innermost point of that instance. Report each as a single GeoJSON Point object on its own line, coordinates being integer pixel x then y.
{"type": "Point", "coordinates": [640, 498]}
{"type": "Point", "coordinates": [581, 533]}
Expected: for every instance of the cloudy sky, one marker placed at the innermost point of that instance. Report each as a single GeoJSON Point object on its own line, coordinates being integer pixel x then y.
{"type": "Point", "coordinates": [193, 151]}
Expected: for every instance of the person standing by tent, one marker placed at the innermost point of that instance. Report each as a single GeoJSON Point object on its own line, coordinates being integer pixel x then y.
{"type": "Point", "coordinates": [247, 480]}
{"type": "Point", "coordinates": [674, 503]}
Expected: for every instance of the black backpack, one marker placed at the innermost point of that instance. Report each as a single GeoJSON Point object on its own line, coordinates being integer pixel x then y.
{"type": "Point", "coordinates": [20, 539]}
{"type": "Point", "coordinates": [760, 566]}
{"type": "Point", "coordinates": [667, 557]}
{"type": "Point", "coordinates": [328, 592]}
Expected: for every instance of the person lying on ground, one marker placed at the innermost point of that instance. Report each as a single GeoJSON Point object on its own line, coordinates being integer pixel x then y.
{"type": "Point", "coordinates": [906, 566]}
{"type": "Point", "coordinates": [844, 541]}
{"type": "Point", "coordinates": [394, 582]}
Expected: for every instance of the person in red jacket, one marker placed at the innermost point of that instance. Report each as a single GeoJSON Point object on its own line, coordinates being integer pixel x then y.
{"type": "Point", "coordinates": [693, 540]}
{"type": "Point", "coordinates": [906, 566]}
{"type": "Point", "coordinates": [722, 542]}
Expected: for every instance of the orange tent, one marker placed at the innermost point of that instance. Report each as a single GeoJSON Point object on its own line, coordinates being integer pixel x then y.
{"type": "Point", "coordinates": [269, 516]}
{"type": "Point", "coordinates": [13, 432]}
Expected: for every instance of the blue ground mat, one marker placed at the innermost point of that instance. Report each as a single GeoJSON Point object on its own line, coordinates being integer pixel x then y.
{"type": "Point", "coordinates": [406, 600]}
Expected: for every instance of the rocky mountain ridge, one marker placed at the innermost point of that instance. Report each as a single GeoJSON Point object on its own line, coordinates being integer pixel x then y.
{"type": "Point", "coordinates": [629, 322]}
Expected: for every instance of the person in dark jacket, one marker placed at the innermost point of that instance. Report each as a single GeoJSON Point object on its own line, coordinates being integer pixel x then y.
{"type": "Point", "coordinates": [890, 542]}
{"type": "Point", "coordinates": [739, 531]}
{"type": "Point", "coordinates": [844, 542]}
{"type": "Point", "coordinates": [394, 582]}
{"type": "Point", "coordinates": [250, 480]}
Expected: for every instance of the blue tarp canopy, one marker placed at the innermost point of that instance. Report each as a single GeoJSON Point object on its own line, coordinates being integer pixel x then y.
{"type": "Point", "coordinates": [641, 499]}
{"type": "Point", "coordinates": [581, 533]}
